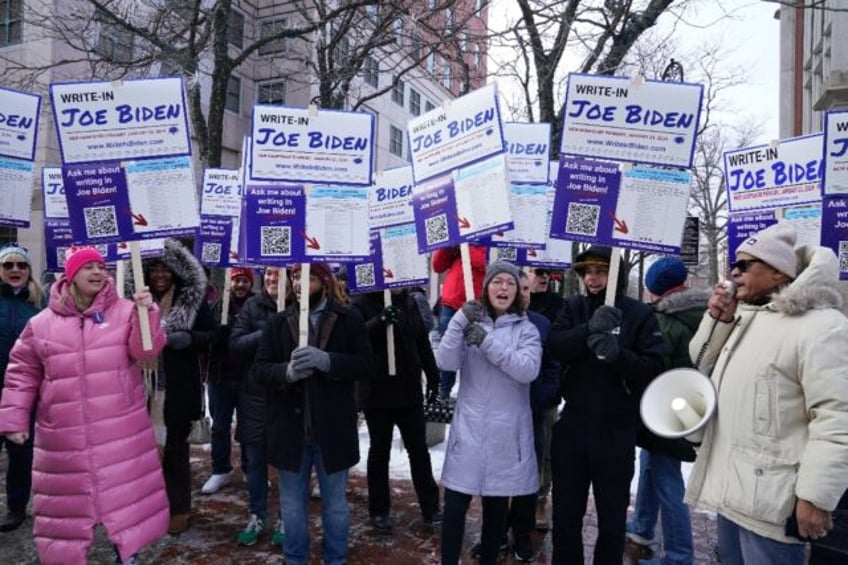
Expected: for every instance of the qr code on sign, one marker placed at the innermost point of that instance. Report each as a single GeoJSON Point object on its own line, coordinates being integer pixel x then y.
{"type": "Point", "coordinates": [210, 252]}
{"type": "Point", "coordinates": [60, 256]}
{"type": "Point", "coordinates": [365, 275]}
{"type": "Point", "coordinates": [843, 256]}
{"type": "Point", "coordinates": [276, 240]}
{"type": "Point", "coordinates": [436, 229]}
{"type": "Point", "coordinates": [100, 221]}
{"type": "Point", "coordinates": [582, 219]}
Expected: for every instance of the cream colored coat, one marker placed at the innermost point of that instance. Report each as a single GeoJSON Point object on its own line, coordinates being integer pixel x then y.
{"type": "Point", "coordinates": [781, 431]}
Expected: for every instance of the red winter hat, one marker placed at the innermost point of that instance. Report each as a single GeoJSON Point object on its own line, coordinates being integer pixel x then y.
{"type": "Point", "coordinates": [242, 272]}
{"type": "Point", "coordinates": [320, 270]}
{"type": "Point", "coordinates": [77, 256]}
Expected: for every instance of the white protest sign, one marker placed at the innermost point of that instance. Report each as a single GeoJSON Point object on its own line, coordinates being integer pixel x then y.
{"type": "Point", "coordinates": [527, 149]}
{"type": "Point", "coordinates": [625, 120]}
{"type": "Point", "coordinates": [146, 247]}
{"type": "Point", "coordinates": [835, 175]}
{"type": "Point", "coordinates": [482, 197]}
{"type": "Point", "coordinates": [337, 223]}
{"type": "Point", "coordinates": [783, 174]}
{"type": "Point", "coordinates": [557, 252]}
{"type": "Point", "coordinates": [162, 196]}
{"type": "Point", "coordinates": [402, 264]}
{"type": "Point", "coordinates": [132, 119]}
{"type": "Point", "coordinates": [16, 179]}
{"type": "Point", "coordinates": [462, 131]}
{"type": "Point", "coordinates": [222, 193]}
{"type": "Point", "coordinates": [53, 192]}
{"type": "Point", "coordinates": [807, 221]}
{"type": "Point", "coordinates": [528, 203]}
{"type": "Point", "coordinates": [19, 112]}
{"type": "Point", "coordinates": [390, 199]}
{"type": "Point", "coordinates": [305, 145]}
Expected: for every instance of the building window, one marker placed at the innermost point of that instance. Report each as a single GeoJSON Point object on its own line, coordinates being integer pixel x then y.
{"type": "Point", "coordinates": [414, 102]}
{"type": "Point", "coordinates": [396, 141]}
{"type": "Point", "coordinates": [114, 43]}
{"type": "Point", "coordinates": [478, 56]}
{"type": "Point", "coordinates": [233, 101]}
{"type": "Point", "coordinates": [428, 106]}
{"type": "Point", "coordinates": [235, 29]}
{"type": "Point", "coordinates": [398, 28]}
{"type": "Point", "coordinates": [431, 62]}
{"type": "Point", "coordinates": [273, 93]}
{"type": "Point", "coordinates": [11, 23]}
{"type": "Point", "coordinates": [271, 28]}
{"type": "Point", "coordinates": [448, 77]}
{"type": "Point", "coordinates": [371, 71]}
{"type": "Point", "coordinates": [448, 20]}
{"type": "Point", "coordinates": [397, 92]}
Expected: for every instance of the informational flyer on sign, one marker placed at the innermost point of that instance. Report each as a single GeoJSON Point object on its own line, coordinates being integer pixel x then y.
{"type": "Point", "coordinates": [19, 113]}
{"type": "Point", "coordinates": [528, 203]}
{"type": "Point", "coordinates": [788, 173]}
{"type": "Point", "coordinates": [221, 194]}
{"type": "Point", "coordinates": [307, 145]}
{"type": "Point", "coordinates": [16, 180]}
{"type": "Point", "coordinates": [586, 196]}
{"type": "Point", "coordinates": [402, 265]}
{"type": "Point", "coordinates": [272, 224]}
{"type": "Point", "coordinates": [336, 223]}
{"type": "Point", "coordinates": [557, 252]}
{"type": "Point", "coordinates": [98, 203]}
{"type": "Point", "coordinates": [212, 243]}
{"type": "Point", "coordinates": [163, 198]}
{"type": "Point", "coordinates": [835, 173]}
{"type": "Point", "coordinates": [623, 119]}
{"type": "Point", "coordinates": [742, 225]}
{"type": "Point", "coordinates": [390, 199]}
{"type": "Point", "coordinates": [482, 198]}
{"type": "Point", "coordinates": [834, 232]}
{"type": "Point", "coordinates": [53, 193]}
{"type": "Point", "coordinates": [130, 119]}
{"type": "Point", "coordinates": [463, 131]}
{"type": "Point", "coordinates": [527, 149]}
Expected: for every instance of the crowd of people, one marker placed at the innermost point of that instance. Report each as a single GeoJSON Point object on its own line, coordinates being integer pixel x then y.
{"type": "Point", "coordinates": [100, 394]}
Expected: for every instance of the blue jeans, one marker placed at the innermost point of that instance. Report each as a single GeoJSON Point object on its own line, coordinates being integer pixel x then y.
{"type": "Point", "coordinates": [446, 378]}
{"type": "Point", "coordinates": [335, 516]}
{"type": "Point", "coordinates": [256, 471]}
{"type": "Point", "coordinates": [223, 400]}
{"type": "Point", "coordinates": [661, 489]}
{"type": "Point", "coordinates": [738, 546]}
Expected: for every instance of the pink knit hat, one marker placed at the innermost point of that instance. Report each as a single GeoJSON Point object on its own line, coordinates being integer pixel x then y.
{"type": "Point", "coordinates": [77, 256]}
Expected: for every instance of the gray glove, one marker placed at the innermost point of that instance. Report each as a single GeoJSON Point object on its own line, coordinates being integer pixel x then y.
{"type": "Point", "coordinates": [310, 358]}
{"type": "Point", "coordinates": [179, 339]}
{"type": "Point", "coordinates": [473, 310]}
{"type": "Point", "coordinates": [474, 334]}
{"type": "Point", "coordinates": [605, 319]}
{"type": "Point", "coordinates": [293, 376]}
{"type": "Point", "coordinates": [604, 346]}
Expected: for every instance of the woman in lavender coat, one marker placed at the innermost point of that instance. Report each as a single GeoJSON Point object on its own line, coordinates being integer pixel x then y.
{"type": "Point", "coordinates": [490, 450]}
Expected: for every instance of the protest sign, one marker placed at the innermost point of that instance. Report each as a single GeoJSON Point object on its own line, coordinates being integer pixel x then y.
{"type": "Point", "coordinates": [834, 230]}
{"type": "Point", "coordinates": [835, 172]}
{"type": "Point", "coordinates": [162, 197]}
{"type": "Point", "coordinates": [336, 223]}
{"type": "Point", "coordinates": [111, 121]}
{"type": "Point", "coordinates": [528, 203]}
{"type": "Point", "coordinates": [367, 276]}
{"type": "Point", "coordinates": [16, 179]}
{"type": "Point", "coordinates": [460, 132]}
{"type": "Point", "coordinates": [390, 199]}
{"type": "Point", "coordinates": [273, 224]}
{"type": "Point", "coordinates": [527, 148]}
{"type": "Point", "coordinates": [222, 193]}
{"type": "Point", "coordinates": [57, 239]}
{"type": "Point", "coordinates": [307, 145]}
{"type": "Point", "coordinates": [146, 247]}
{"type": "Point", "coordinates": [482, 198]}
{"type": "Point", "coordinates": [691, 244]}
{"type": "Point", "coordinates": [213, 240]}
{"type": "Point", "coordinates": [18, 124]}
{"type": "Point", "coordinates": [742, 225]}
{"type": "Point", "coordinates": [557, 252]}
{"type": "Point", "coordinates": [624, 119]}
{"type": "Point", "coordinates": [402, 265]}
{"type": "Point", "coordinates": [98, 203]}
{"type": "Point", "coordinates": [434, 206]}
{"type": "Point", "coordinates": [586, 194]}
{"type": "Point", "coordinates": [785, 173]}
{"type": "Point", "coordinates": [53, 193]}
{"type": "Point", "coordinates": [807, 221]}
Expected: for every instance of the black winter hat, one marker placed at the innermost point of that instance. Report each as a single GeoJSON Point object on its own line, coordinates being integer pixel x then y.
{"type": "Point", "coordinates": [594, 255]}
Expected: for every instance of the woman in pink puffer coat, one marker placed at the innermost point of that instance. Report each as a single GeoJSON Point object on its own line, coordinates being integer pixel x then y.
{"type": "Point", "coordinates": [95, 458]}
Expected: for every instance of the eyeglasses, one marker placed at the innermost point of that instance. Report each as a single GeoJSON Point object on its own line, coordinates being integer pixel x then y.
{"type": "Point", "coordinates": [9, 265]}
{"type": "Point", "coordinates": [742, 265]}
{"type": "Point", "coordinates": [508, 283]}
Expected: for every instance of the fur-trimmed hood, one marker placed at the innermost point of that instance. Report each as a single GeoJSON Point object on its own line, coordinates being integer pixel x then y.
{"type": "Point", "coordinates": [189, 279]}
{"type": "Point", "coordinates": [815, 288]}
{"type": "Point", "coordinates": [683, 300]}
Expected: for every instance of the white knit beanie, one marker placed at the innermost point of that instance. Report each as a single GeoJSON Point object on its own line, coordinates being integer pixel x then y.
{"type": "Point", "coordinates": [776, 246]}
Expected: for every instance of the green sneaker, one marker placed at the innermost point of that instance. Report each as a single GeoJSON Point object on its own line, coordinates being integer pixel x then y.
{"type": "Point", "coordinates": [250, 534]}
{"type": "Point", "coordinates": [279, 534]}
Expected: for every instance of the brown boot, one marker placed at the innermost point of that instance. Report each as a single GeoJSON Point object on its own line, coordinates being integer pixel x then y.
{"type": "Point", "coordinates": [178, 524]}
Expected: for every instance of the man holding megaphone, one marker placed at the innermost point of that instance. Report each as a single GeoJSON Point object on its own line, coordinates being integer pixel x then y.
{"type": "Point", "coordinates": [774, 461]}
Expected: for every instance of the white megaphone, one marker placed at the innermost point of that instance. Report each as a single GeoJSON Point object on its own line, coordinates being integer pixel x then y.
{"type": "Point", "coordinates": [678, 404]}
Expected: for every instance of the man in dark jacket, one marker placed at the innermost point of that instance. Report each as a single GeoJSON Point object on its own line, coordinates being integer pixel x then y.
{"type": "Point", "coordinates": [397, 400]}
{"type": "Point", "coordinates": [311, 409]}
{"type": "Point", "coordinates": [610, 354]}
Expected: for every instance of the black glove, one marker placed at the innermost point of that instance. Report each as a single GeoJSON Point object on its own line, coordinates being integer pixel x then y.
{"type": "Point", "coordinates": [179, 339]}
{"type": "Point", "coordinates": [474, 334]}
{"type": "Point", "coordinates": [389, 315]}
{"type": "Point", "coordinates": [432, 395]}
{"type": "Point", "coordinates": [605, 319]}
{"type": "Point", "coordinates": [473, 310]}
{"type": "Point", "coordinates": [604, 346]}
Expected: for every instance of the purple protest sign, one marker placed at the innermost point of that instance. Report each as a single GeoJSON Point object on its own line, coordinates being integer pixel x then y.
{"type": "Point", "coordinates": [57, 238]}
{"type": "Point", "coordinates": [98, 203]}
{"type": "Point", "coordinates": [434, 207]}
{"type": "Point", "coordinates": [834, 229]}
{"type": "Point", "coordinates": [273, 224]}
{"type": "Point", "coordinates": [367, 276]}
{"type": "Point", "coordinates": [213, 240]}
{"type": "Point", "coordinates": [742, 225]}
{"type": "Point", "coordinates": [584, 205]}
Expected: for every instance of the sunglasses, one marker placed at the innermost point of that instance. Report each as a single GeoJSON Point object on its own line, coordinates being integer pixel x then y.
{"type": "Point", "coordinates": [9, 265]}
{"type": "Point", "coordinates": [541, 272]}
{"type": "Point", "coordinates": [742, 265]}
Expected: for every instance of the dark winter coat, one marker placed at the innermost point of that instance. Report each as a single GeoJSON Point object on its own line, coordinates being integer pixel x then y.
{"type": "Point", "coordinates": [413, 353]}
{"type": "Point", "coordinates": [544, 391]}
{"type": "Point", "coordinates": [244, 341]}
{"type": "Point", "coordinates": [599, 393]}
{"type": "Point", "coordinates": [222, 367]}
{"type": "Point", "coordinates": [328, 397]}
{"type": "Point", "coordinates": [15, 311]}
{"type": "Point", "coordinates": [546, 303]}
{"type": "Point", "coordinates": [678, 315]}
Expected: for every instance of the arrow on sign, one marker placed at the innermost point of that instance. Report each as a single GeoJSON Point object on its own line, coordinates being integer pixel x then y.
{"type": "Point", "coordinates": [531, 253]}
{"type": "Point", "coordinates": [463, 222]}
{"type": "Point", "coordinates": [234, 255]}
{"type": "Point", "coordinates": [620, 225]}
{"type": "Point", "coordinates": [138, 219]}
{"type": "Point", "coordinates": [388, 272]}
{"type": "Point", "coordinates": [311, 242]}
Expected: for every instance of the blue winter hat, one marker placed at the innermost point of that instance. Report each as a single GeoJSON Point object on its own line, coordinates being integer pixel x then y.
{"type": "Point", "coordinates": [665, 274]}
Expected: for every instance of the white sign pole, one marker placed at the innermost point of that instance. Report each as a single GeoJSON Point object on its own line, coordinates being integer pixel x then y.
{"type": "Point", "coordinates": [612, 277]}
{"type": "Point", "coordinates": [120, 275]}
{"type": "Point", "coordinates": [467, 275]}
{"type": "Point", "coordinates": [303, 329]}
{"type": "Point", "coordinates": [138, 282]}
{"type": "Point", "coordinates": [225, 299]}
{"type": "Point", "coordinates": [390, 336]}
{"type": "Point", "coordinates": [282, 286]}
